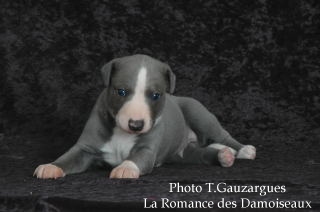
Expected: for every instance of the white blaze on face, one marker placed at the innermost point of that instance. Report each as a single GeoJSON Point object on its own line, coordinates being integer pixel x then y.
{"type": "Point", "coordinates": [136, 108]}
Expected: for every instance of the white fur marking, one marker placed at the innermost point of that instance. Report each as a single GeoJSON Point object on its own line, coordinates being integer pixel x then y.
{"type": "Point", "coordinates": [221, 146]}
{"type": "Point", "coordinates": [129, 164]}
{"type": "Point", "coordinates": [141, 82]}
{"type": "Point", "coordinates": [157, 120]}
{"type": "Point", "coordinates": [247, 152]}
{"type": "Point", "coordinates": [136, 108]}
{"type": "Point", "coordinates": [49, 170]}
{"type": "Point", "coordinates": [118, 148]}
{"type": "Point", "coordinates": [191, 137]}
{"type": "Point", "coordinates": [226, 157]}
{"type": "Point", "coordinates": [127, 169]}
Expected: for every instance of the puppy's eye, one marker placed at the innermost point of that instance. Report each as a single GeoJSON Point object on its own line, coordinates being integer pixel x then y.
{"type": "Point", "coordinates": [122, 92]}
{"type": "Point", "coordinates": [155, 96]}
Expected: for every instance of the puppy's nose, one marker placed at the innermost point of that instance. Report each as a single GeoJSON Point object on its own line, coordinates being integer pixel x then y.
{"type": "Point", "coordinates": [136, 125]}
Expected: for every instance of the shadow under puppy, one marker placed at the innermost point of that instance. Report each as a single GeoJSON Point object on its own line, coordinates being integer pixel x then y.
{"type": "Point", "coordinates": [136, 124]}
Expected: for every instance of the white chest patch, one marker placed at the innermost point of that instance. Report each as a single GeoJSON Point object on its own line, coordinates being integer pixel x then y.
{"type": "Point", "coordinates": [117, 149]}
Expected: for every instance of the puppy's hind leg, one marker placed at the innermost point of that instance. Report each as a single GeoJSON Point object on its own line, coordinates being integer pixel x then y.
{"type": "Point", "coordinates": [208, 129]}
{"type": "Point", "coordinates": [194, 154]}
{"type": "Point", "coordinates": [205, 125]}
{"type": "Point", "coordinates": [247, 152]}
{"type": "Point", "coordinates": [226, 155]}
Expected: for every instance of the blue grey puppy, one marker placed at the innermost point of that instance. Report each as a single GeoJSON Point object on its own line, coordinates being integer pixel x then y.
{"type": "Point", "coordinates": [136, 125]}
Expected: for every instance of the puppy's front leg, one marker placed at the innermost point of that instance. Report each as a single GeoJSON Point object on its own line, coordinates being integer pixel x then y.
{"type": "Point", "coordinates": [80, 156]}
{"type": "Point", "coordinates": [140, 161]}
{"type": "Point", "coordinates": [73, 161]}
{"type": "Point", "coordinates": [127, 169]}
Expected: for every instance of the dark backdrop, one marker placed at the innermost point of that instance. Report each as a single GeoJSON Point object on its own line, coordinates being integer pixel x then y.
{"type": "Point", "coordinates": [255, 64]}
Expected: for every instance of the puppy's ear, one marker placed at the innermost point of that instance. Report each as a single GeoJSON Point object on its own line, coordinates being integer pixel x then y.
{"type": "Point", "coordinates": [106, 71]}
{"type": "Point", "coordinates": [171, 79]}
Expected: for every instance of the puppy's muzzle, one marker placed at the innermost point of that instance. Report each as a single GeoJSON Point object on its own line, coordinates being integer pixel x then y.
{"type": "Point", "coordinates": [136, 125]}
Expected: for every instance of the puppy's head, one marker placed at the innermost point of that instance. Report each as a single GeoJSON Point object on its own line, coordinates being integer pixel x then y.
{"type": "Point", "coordinates": [136, 88]}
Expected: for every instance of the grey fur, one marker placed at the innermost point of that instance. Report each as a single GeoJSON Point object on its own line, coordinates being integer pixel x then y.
{"type": "Point", "coordinates": [166, 140]}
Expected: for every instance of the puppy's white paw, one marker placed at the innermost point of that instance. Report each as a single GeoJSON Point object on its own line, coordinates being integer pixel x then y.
{"type": "Point", "coordinates": [47, 171]}
{"type": "Point", "coordinates": [127, 169]}
{"type": "Point", "coordinates": [221, 146]}
{"type": "Point", "coordinates": [226, 157]}
{"type": "Point", "coordinates": [247, 152]}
